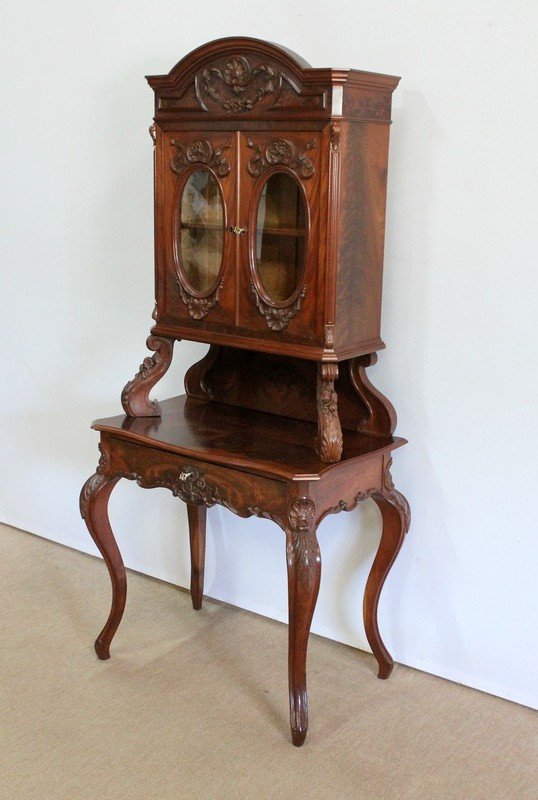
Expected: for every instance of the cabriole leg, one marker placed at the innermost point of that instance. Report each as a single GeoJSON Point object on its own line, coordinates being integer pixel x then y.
{"type": "Point", "coordinates": [197, 525]}
{"type": "Point", "coordinates": [396, 515]}
{"type": "Point", "coordinates": [94, 499]}
{"type": "Point", "coordinates": [304, 573]}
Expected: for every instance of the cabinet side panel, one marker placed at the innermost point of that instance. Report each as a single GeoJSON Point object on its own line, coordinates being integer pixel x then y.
{"type": "Point", "coordinates": [361, 233]}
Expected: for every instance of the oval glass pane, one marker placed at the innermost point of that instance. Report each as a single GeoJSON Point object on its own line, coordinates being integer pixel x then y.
{"type": "Point", "coordinates": [201, 231]}
{"type": "Point", "coordinates": [281, 236]}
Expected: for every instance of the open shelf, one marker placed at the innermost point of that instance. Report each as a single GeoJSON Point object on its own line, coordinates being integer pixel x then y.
{"type": "Point", "coordinates": [297, 232]}
{"type": "Point", "coordinates": [201, 226]}
{"type": "Point", "coordinates": [213, 226]}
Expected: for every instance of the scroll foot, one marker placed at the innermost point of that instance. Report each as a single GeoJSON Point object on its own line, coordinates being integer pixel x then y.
{"type": "Point", "coordinates": [304, 573]}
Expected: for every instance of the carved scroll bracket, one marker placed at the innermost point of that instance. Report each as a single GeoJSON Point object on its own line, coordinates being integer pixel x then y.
{"type": "Point", "coordinates": [284, 152]}
{"type": "Point", "coordinates": [135, 395]}
{"type": "Point", "coordinates": [330, 441]}
{"type": "Point", "coordinates": [380, 418]}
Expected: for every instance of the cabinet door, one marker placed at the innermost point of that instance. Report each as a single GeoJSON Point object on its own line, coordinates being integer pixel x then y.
{"type": "Point", "coordinates": [278, 271]}
{"type": "Point", "coordinates": [197, 283]}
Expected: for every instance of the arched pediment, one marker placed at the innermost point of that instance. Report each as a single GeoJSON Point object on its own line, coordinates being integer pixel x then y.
{"type": "Point", "coordinates": [240, 76]}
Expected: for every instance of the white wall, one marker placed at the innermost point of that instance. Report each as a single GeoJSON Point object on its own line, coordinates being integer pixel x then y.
{"type": "Point", "coordinates": [459, 308]}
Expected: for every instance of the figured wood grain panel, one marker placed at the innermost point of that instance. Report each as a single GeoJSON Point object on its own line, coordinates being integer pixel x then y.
{"type": "Point", "coordinates": [361, 233]}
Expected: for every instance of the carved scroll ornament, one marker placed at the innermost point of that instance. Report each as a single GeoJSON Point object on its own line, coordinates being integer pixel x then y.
{"type": "Point", "coordinates": [198, 306]}
{"type": "Point", "coordinates": [277, 318]}
{"type": "Point", "coordinates": [199, 151]}
{"type": "Point", "coordinates": [281, 151]}
{"type": "Point", "coordinates": [237, 86]}
{"type": "Point", "coordinates": [388, 491]}
{"type": "Point", "coordinates": [188, 484]}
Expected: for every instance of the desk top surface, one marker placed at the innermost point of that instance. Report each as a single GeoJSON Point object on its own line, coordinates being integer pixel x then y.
{"type": "Point", "coordinates": [261, 443]}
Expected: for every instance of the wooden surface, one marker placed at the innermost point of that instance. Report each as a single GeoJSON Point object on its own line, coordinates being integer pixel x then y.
{"type": "Point", "coordinates": [263, 431]}
{"type": "Point", "coordinates": [244, 109]}
{"type": "Point", "coordinates": [262, 443]}
{"type": "Point", "coordinates": [254, 464]}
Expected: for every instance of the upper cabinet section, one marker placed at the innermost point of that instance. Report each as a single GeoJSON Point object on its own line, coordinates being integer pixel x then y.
{"type": "Point", "coordinates": [248, 78]}
{"type": "Point", "coordinates": [270, 189]}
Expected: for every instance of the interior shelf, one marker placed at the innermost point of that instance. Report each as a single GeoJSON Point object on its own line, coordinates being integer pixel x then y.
{"type": "Point", "coordinates": [273, 231]}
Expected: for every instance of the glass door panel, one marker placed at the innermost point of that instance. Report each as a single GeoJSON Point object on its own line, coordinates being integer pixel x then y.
{"type": "Point", "coordinates": [200, 227]}
{"type": "Point", "coordinates": [280, 236]}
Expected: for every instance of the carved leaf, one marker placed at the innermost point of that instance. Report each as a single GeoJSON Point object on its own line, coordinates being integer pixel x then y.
{"type": "Point", "coordinates": [302, 544]}
{"type": "Point", "coordinates": [92, 485]}
{"type": "Point", "coordinates": [330, 441]}
{"type": "Point", "coordinates": [302, 513]}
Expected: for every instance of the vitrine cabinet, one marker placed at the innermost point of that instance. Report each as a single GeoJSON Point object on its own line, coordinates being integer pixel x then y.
{"type": "Point", "coordinates": [270, 193]}
{"type": "Point", "coordinates": [270, 190]}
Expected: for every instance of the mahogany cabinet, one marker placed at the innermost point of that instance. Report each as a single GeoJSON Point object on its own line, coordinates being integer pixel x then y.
{"type": "Point", "coordinates": [270, 191]}
{"type": "Point", "coordinates": [270, 187]}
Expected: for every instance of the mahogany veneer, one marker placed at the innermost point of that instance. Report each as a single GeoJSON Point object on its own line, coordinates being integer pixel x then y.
{"type": "Point", "coordinates": [270, 187]}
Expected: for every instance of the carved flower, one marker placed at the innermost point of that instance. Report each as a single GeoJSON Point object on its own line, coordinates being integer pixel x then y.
{"type": "Point", "coordinates": [237, 72]}
{"type": "Point", "coordinates": [199, 150]}
{"type": "Point", "coordinates": [280, 152]}
{"type": "Point", "coordinates": [146, 366]}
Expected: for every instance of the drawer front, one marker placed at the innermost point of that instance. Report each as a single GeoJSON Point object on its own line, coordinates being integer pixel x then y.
{"type": "Point", "coordinates": [198, 482]}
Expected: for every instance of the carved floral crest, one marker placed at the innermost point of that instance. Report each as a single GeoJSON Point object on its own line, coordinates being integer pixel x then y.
{"type": "Point", "coordinates": [199, 151]}
{"type": "Point", "coordinates": [237, 85]}
{"type": "Point", "coordinates": [281, 151]}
